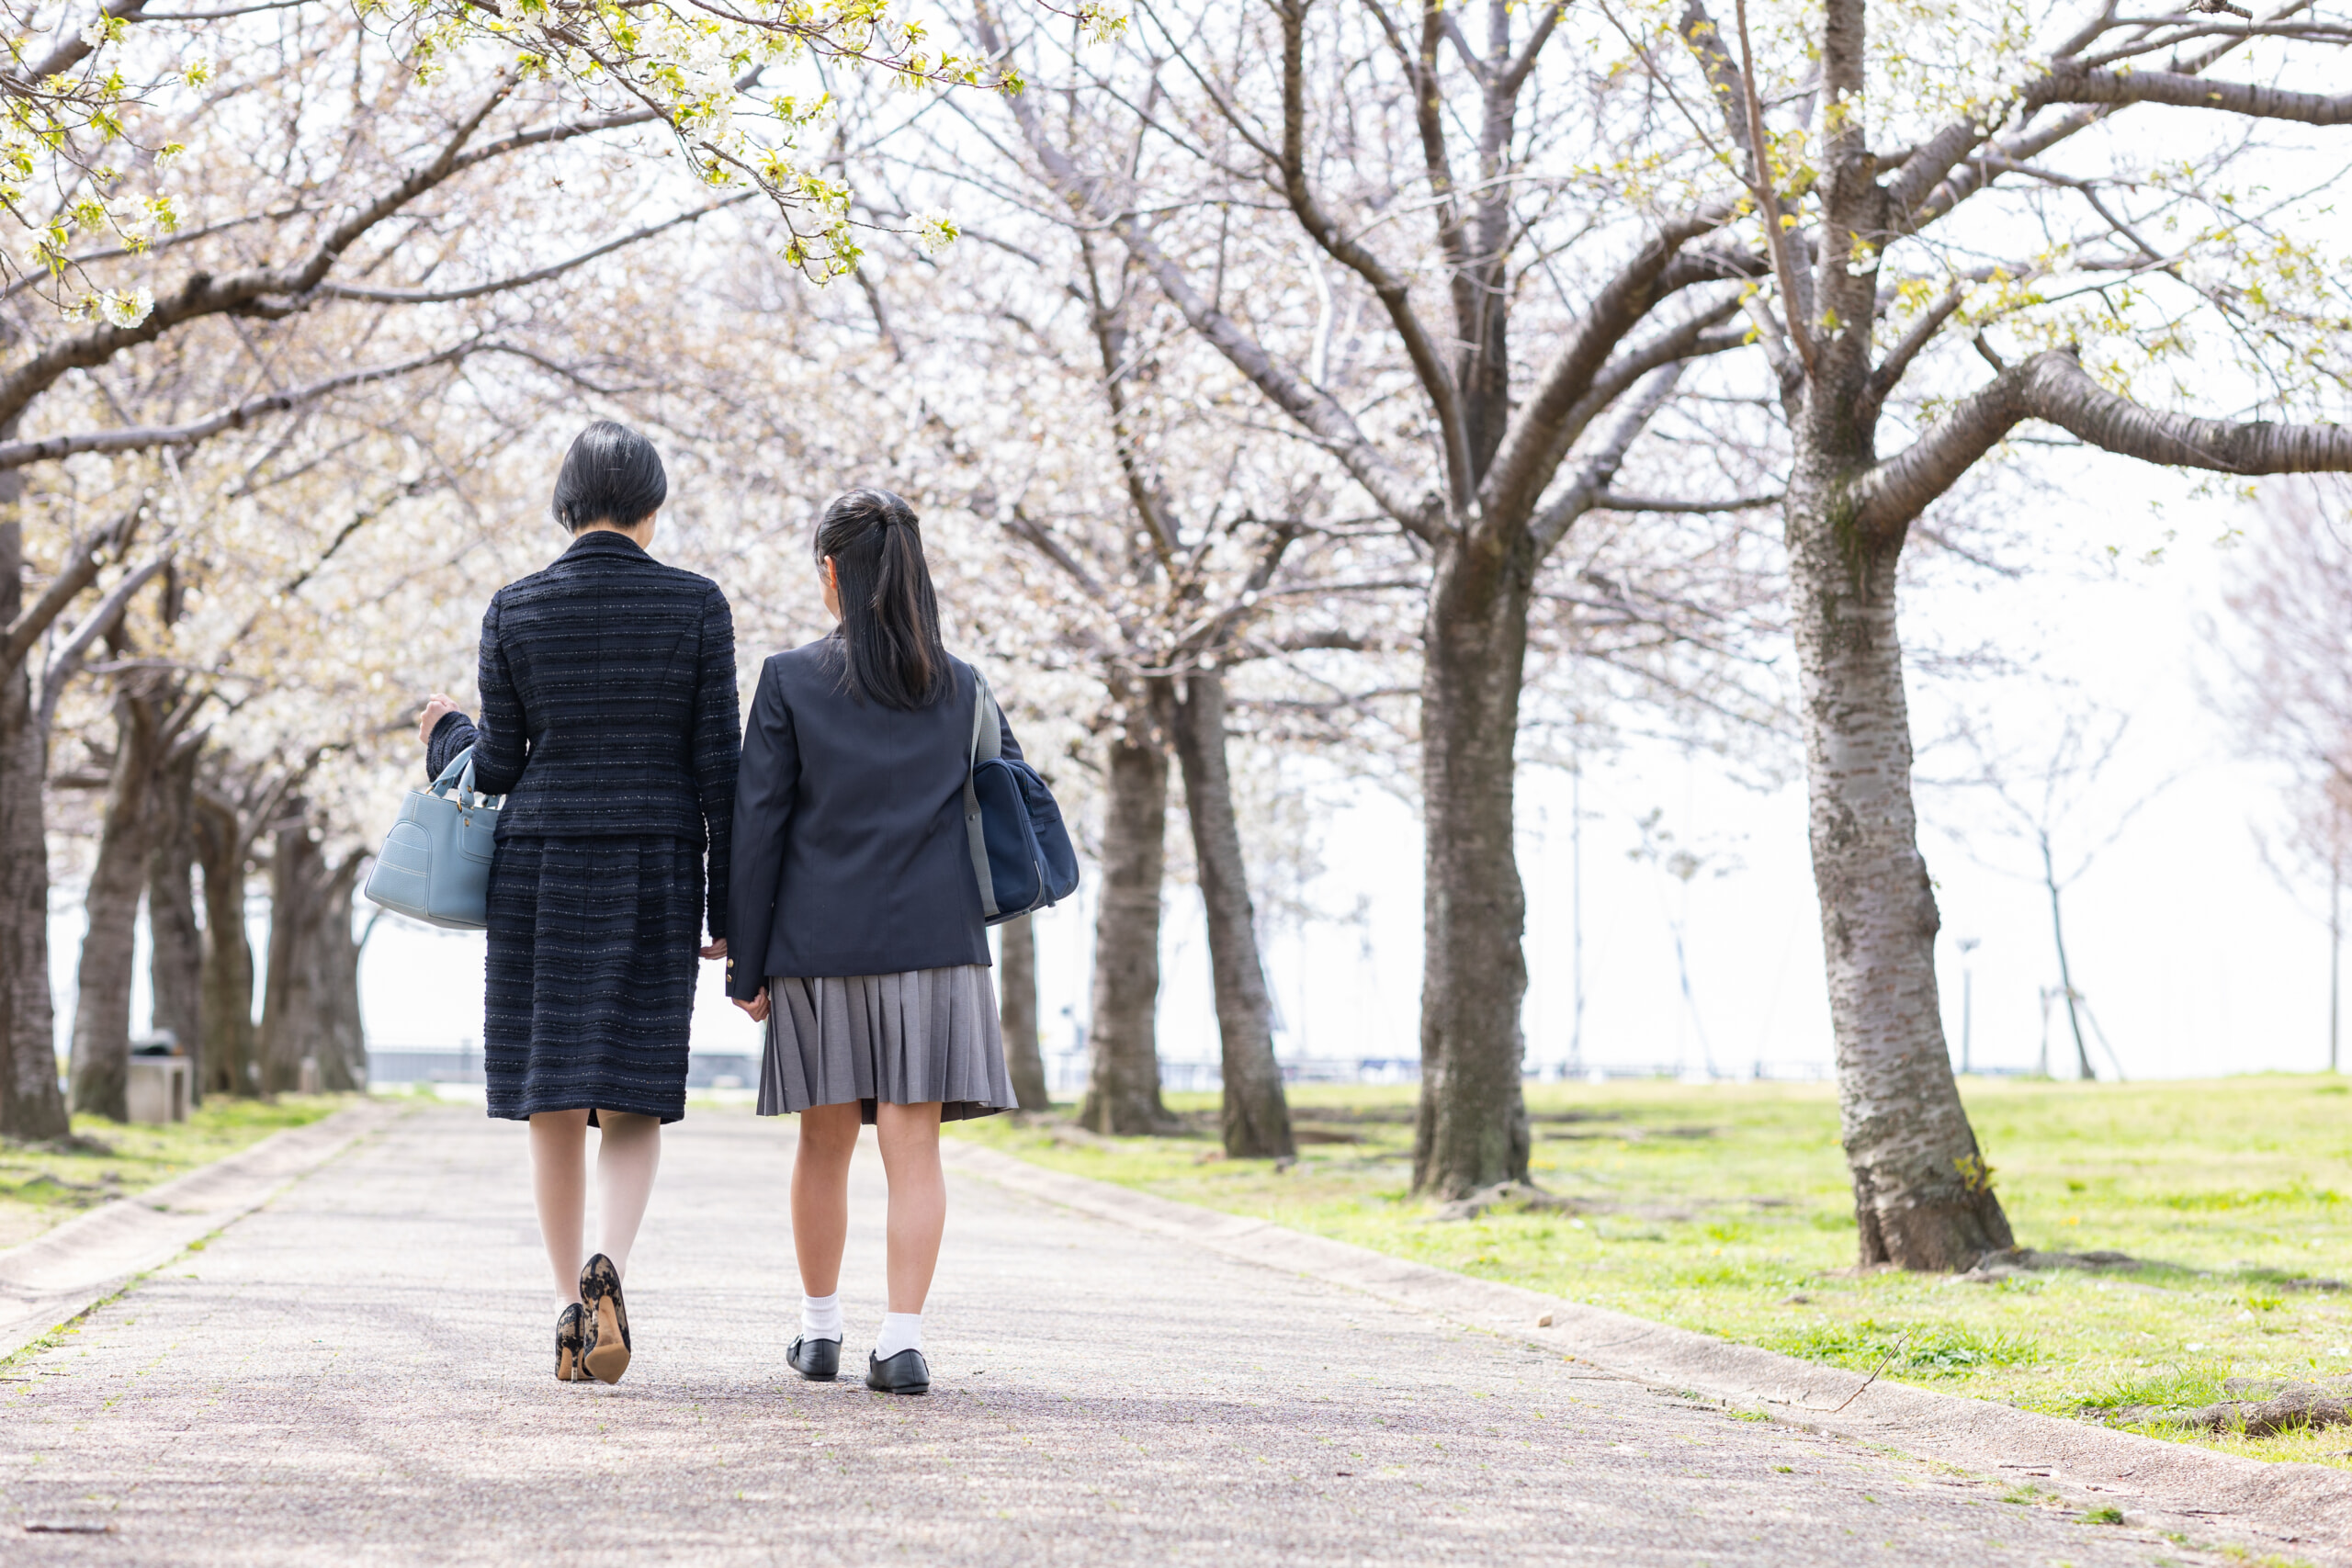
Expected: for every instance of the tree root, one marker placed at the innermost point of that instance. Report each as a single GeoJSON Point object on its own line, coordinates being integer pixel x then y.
{"type": "Point", "coordinates": [1515, 1197]}
{"type": "Point", "coordinates": [2263, 1407]}
{"type": "Point", "coordinates": [2018, 1261]}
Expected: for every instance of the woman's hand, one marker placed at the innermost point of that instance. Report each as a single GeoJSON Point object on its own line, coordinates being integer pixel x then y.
{"type": "Point", "coordinates": [757, 1006]}
{"type": "Point", "coordinates": [436, 708]}
{"type": "Point", "coordinates": [715, 949]}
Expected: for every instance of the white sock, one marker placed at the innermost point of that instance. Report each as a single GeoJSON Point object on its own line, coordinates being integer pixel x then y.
{"type": "Point", "coordinates": [901, 1331]}
{"type": "Point", "coordinates": [820, 1318]}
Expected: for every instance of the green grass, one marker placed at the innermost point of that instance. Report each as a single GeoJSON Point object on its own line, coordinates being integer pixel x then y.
{"type": "Point", "coordinates": [41, 1184]}
{"type": "Point", "coordinates": [1725, 1208]}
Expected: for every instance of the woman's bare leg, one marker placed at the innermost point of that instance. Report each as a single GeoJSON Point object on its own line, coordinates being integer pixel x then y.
{"type": "Point", "coordinates": [559, 1184]}
{"type": "Point", "coordinates": [821, 1194]}
{"type": "Point", "coordinates": [910, 1138]}
{"type": "Point", "coordinates": [628, 1155]}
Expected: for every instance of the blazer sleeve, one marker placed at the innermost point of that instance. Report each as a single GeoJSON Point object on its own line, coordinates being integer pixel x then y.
{"type": "Point", "coordinates": [451, 735]}
{"type": "Point", "coordinates": [1005, 742]}
{"type": "Point", "coordinates": [718, 748]}
{"type": "Point", "coordinates": [501, 738]}
{"type": "Point", "coordinates": [765, 786]}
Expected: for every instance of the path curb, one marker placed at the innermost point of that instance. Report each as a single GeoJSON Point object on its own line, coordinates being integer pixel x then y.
{"type": "Point", "coordinates": [64, 1272]}
{"type": "Point", "coordinates": [2197, 1492]}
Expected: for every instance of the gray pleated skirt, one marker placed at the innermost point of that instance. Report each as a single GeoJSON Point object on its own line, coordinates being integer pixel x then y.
{"type": "Point", "coordinates": [902, 1039]}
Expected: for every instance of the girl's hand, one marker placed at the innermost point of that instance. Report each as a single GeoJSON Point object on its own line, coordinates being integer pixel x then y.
{"type": "Point", "coordinates": [757, 1006]}
{"type": "Point", "coordinates": [715, 949]}
{"type": "Point", "coordinates": [436, 708]}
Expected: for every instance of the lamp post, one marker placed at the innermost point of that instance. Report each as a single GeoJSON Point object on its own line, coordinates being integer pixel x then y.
{"type": "Point", "coordinates": [1968, 944]}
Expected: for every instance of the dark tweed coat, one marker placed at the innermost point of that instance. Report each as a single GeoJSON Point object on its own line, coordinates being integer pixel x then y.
{"type": "Point", "coordinates": [609, 723]}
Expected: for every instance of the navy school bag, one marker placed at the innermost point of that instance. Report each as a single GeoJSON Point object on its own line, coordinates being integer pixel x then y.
{"type": "Point", "coordinates": [1021, 851]}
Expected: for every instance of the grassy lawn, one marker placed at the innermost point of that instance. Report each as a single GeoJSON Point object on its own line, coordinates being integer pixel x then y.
{"type": "Point", "coordinates": [1725, 1208]}
{"type": "Point", "coordinates": [41, 1184]}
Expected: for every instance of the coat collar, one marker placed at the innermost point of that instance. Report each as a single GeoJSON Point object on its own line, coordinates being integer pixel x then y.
{"type": "Point", "coordinates": [605, 542]}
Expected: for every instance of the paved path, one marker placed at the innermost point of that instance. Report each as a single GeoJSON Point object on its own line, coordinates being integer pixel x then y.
{"type": "Point", "coordinates": [359, 1373]}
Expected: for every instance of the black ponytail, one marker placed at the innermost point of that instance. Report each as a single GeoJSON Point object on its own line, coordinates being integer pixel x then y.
{"type": "Point", "coordinates": [889, 634]}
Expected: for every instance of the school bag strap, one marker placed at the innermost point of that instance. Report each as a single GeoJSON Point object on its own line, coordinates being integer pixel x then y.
{"type": "Point", "coordinates": [1022, 856]}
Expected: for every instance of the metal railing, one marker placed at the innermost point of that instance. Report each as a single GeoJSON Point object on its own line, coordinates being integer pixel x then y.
{"type": "Point", "coordinates": [392, 1066]}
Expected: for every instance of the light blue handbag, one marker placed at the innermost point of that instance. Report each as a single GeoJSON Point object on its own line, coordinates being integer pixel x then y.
{"type": "Point", "coordinates": [436, 862]}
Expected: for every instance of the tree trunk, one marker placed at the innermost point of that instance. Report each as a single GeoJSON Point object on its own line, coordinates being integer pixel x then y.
{"type": "Point", "coordinates": [1256, 1115]}
{"type": "Point", "coordinates": [1017, 1014]}
{"type": "Point", "coordinates": [1471, 1130]}
{"type": "Point", "coordinates": [1123, 1078]}
{"type": "Point", "coordinates": [338, 1042]}
{"type": "Point", "coordinates": [176, 956]}
{"type": "Point", "coordinates": [229, 1061]}
{"type": "Point", "coordinates": [30, 1106]}
{"type": "Point", "coordinates": [310, 1003]}
{"type": "Point", "coordinates": [290, 1000]}
{"type": "Point", "coordinates": [1923, 1196]}
{"type": "Point", "coordinates": [102, 1000]}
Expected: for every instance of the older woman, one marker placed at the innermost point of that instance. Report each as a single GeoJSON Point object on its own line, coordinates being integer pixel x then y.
{"type": "Point", "coordinates": [608, 721]}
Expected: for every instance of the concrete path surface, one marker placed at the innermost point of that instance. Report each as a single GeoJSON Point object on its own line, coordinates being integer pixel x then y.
{"type": "Point", "coordinates": [59, 1273]}
{"type": "Point", "coordinates": [360, 1373]}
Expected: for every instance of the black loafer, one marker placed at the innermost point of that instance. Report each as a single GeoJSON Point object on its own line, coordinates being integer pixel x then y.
{"type": "Point", "coordinates": [818, 1361]}
{"type": "Point", "coordinates": [906, 1372]}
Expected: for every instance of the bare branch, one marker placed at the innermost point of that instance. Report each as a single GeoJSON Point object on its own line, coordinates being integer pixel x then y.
{"type": "Point", "coordinates": [1889, 374]}
{"type": "Point", "coordinates": [1761, 183]}
{"type": "Point", "coordinates": [1026, 527]}
{"type": "Point", "coordinates": [1523, 465]}
{"type": "Point", "coordinates": [1725, 79]}
{"type": "Point", "coordinates": [2251, 99]}
{"type": "Point", "coordinates": [1320, 414]}
{"type": "Point", "coordinates": [17, 454]}
{"type": "Point", "coordinates": [77, 572]}
{"type": "Point", "coordinates": [2052, 386]}
{"type": "Point", "coordinates": [203, 295]}
{"type": "Point", "coordinates": [1593, 479]}
{"type": "Point", "coordinates": [1429, 365]}
{"type": "Point", "coordinates": [1515, 73]}
{"type": "Point", "coordinates": [499, 285]}
{"type": "Point", "coordinates": [1613, 502]}
{"type": "Point", "coordinates": [74, 48]}
{"type": "Point", "coordinates": [1928, 183]}
{"type": "Point", "coordinates": [67, 662]}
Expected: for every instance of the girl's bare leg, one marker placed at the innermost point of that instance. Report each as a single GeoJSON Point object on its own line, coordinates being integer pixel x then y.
{"type": "Point", "coordinates": [821, 1194]}
{"type": "Point", "coordinates": [910, 1138]}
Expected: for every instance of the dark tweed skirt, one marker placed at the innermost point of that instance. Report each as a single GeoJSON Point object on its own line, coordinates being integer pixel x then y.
{"type": "Point", "coordinates": [590, 978]}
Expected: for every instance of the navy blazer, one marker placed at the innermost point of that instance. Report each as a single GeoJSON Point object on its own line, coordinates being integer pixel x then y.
{"type": "Point", "coordinates": [608, 704]}
{"type": "Point", "coordinates": [851, 855]}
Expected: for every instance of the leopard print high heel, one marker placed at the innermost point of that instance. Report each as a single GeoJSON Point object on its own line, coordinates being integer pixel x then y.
{"type": "Point", "coordinates": [607, 1355]}
{"type": "Point", "coordinates": [568, 1343]}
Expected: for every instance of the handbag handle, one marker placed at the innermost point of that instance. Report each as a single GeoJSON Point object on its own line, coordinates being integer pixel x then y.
{"type": "Point", "coordinates": [459, 774]}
